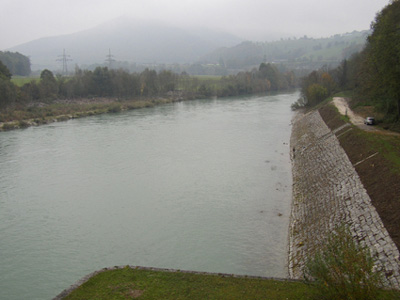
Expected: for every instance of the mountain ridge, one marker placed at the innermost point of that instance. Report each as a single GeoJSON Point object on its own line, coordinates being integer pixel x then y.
{"type": "Point", "coordinates": [293, 52]}
{"type": "Point", "coordinates": [149, 43]}
{"type": "Point", "coordinates": [130, 40]}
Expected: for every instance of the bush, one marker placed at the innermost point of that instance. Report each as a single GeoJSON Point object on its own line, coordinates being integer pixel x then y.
{"type": "Point", "coordinates": [23, 124]}
{"type": "Point", "coordinates": [114, 108]}
{"type": "Point", "coordinates": [8, 126]}
{"type": "Point", "coordinates": [343, 269]}
{"type": "Point", "coordinates": [300, 103]}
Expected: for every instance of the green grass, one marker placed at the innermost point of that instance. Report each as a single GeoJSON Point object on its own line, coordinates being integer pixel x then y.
{"type": "Point", "coordinates": [208, 77]}
{"type": "Point", "coordinates": [20, 81]}
{"type": "Point", "coordinates": [130, 283]}
{"type": "Point", "coordinates": [139, 283]}
{"type": "Point", "coordinates": [387, 145]}
{"type": "Point", "coordinates": [344, 94]}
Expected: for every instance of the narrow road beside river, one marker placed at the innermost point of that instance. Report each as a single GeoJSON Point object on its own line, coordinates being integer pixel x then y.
{"type": "Point", "coordinates": [343, 107]}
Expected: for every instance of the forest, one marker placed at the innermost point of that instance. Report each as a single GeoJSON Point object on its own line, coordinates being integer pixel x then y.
{"type": "Point", "coordinates": [16, 63]}
{"type": "Point", "coordinates": [292, 53]}
{"type": "Point", "coordinates": [105, 82]}
{"type": "Point", "coordinates": [372, 75]}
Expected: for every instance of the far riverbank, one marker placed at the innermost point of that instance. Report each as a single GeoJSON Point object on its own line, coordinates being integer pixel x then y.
{"type": "Point", "coordinates": [36, 114]}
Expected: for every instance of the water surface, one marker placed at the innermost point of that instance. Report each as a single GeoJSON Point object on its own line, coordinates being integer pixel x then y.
{"type": "Point", "coordinates": [200, 185]}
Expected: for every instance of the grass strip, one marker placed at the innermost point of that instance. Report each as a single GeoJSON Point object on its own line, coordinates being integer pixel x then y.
{"type": "Point", "coordinates": [147, 283]}
{"type": "Point", "coordinates": [137, 283]}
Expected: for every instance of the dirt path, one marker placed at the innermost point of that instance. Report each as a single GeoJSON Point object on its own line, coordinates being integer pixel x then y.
{"type": "Point", "coordinates": [344, 109]}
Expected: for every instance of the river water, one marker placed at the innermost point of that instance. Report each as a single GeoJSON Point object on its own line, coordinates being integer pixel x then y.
{"type": "Point", "coordinates": [201, 185]}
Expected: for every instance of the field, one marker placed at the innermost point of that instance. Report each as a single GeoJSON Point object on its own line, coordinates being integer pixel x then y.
{"type": "Point", "coordinates": [20, 81]}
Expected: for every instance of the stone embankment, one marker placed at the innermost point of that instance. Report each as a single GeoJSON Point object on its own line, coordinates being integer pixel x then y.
{"type": "Point", "coordinates": [327, 192]}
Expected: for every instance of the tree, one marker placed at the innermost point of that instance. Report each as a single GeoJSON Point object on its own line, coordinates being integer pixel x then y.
{"type": "Point", "coordinates": [382, 61]}
{"type": "Point", "coordinates": [269, 72]}
{"type": "Point", "coordinates": [8, 93]}
{"type": "Point", "coordinates": [167, 81]}
{"type": "Point", "coordinates": [4, 72]}
{"type": "Point", "coordinates": [48, 84]}
{"type": "Point", "coordinates": [328, 82]}
{"type": "Point", "coordinates": [149, 82]}
{"type": "Point", "coordinates": [101, 78]}
{"type": "Point", "coordinates": [7, 88]}
{"type": "Point", "coordinates": [315, 94]}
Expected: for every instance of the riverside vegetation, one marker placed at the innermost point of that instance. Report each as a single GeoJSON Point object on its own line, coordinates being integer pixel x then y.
{"type": "Point", "coordinates": [107, 90]}
{"type": "Point", "coordinates": [341, 269]}
{"type": "Point", "coordinates": [372, 75]}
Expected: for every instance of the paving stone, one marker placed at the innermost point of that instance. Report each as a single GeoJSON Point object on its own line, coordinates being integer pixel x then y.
{"type": "Point", "coordinates": [327, 192]}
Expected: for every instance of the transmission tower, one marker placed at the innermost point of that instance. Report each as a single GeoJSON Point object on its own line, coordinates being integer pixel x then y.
{"type": "Point", "coordinates": [64, 58]}
{"type": "Point", "coordinates": [109, 58]}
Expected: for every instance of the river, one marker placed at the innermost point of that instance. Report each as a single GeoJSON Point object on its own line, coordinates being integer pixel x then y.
{"type": "Point", "coordinates": [200, 185]}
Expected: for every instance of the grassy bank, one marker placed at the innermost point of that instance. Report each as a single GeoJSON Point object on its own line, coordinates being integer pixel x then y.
{"type": "Point", "coordinates": [25, 115]}
{"type": "Point", "coordinates": [141, 283]}
{"type": "Point", "coordinates": [128, 283]}
{"type": "Point", "coordinates": [376, 157]}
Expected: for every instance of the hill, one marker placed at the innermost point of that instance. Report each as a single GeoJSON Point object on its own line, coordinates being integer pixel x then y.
{"type": "Point", "coordinates": [16, 63]}
{"type": "Point", "coordinates": [306, 53]}
{"type": "Point", "coordinates": [129, 40]}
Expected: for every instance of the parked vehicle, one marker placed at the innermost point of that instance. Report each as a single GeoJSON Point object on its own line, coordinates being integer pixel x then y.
{"type": "Point", "coordinates": [369, 121]}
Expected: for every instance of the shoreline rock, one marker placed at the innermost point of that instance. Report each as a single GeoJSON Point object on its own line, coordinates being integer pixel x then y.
{"type": "Point", "coordinates": [327, 192]}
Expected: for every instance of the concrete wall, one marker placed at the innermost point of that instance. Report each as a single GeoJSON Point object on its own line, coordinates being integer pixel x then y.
{"type": "Point", "coordinates": [327, 192]}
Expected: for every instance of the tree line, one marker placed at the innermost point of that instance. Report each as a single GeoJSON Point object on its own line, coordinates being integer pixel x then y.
{"type": "Point", "coordinates": [105, 82]}
{"type": "Point", "coordinates": [16, 63]}
{"type": "Point", "coordinates": [373, 74]}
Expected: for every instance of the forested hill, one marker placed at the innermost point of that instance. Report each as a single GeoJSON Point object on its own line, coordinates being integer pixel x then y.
{"type": "Point", "coordinates": [371, 75]}
{"type": "Point", "coordinates": [16, 63]}
{"type": "Point", "coordinates": [308, 53]}
{"type": "Point", "coordinates": [130, 40]}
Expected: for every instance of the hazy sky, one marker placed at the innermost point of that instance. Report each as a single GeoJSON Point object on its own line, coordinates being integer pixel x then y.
{"type": "Point", "coordinates": [25, 20]}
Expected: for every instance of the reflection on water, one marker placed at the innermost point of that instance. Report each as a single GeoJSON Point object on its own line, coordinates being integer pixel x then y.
{"type": "Point", "coordinates": [200, 185]}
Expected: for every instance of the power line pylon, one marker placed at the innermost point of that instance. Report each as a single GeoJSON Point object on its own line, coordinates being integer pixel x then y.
{"type": "Point", "coordinates": [109, 59]}
{"type": "Point", "coordinates": [64, 58]}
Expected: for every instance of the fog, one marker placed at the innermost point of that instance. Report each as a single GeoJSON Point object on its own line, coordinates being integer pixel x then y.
{"type": "Point", "coordinates": [258, 20]}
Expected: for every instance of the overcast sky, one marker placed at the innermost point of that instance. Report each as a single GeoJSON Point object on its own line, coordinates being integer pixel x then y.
{"type": "Point", "coordinates": [25, 20]}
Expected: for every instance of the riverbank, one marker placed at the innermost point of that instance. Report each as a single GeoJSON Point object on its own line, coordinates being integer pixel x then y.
{"type": "Point", "coordinates": [328, 192]}
{"type": "Point", "coordinates": [326, 172]}
{"type": "Point", "coordinates": [156, 283]}
{"type": "Point", "coordinates": [35, 114]}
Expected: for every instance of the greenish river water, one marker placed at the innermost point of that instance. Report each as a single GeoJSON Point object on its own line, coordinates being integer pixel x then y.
{"type": "Point", "coordinates": [201, 185]}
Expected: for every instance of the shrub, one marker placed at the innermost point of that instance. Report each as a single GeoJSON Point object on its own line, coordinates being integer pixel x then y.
{"type": "Point", "coordinates": [23, 124]}
{"type": "Point", "coordinates": [300, 103]}
{"type": "Point", "coordinates": [114, 108]}
{"type": "Point", "coordinates": [8, 126]}
{"type": "Point", "coordinates": [343, 269]}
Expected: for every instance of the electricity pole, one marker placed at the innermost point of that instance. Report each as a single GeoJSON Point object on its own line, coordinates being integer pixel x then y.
{"type": "Point", "coordinates": [109, 59]}
{"type": "Point", "coordinates": [64, 58]}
